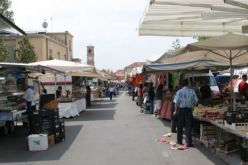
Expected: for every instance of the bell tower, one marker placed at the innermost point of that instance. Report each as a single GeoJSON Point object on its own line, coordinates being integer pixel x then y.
{"type": "Point", "coordinates": [90, 55]}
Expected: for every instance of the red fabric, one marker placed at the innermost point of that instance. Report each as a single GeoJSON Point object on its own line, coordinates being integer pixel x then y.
{"type": "Point", "coordinates": [137, 79]}
{"type": "Point", "coordinates": [165, 111]}
{"type": "Point", "coordinates": [243, 87]}
{"type": "Point", "coordinates": [140, 92]}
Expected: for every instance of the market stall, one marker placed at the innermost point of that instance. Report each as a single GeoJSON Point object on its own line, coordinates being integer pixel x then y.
{"type": "Point", "coordinates": [191, 63]}
{"type": "Point", "coordinates": [73, 82]}
{"type": "Point", "coordinates": [44, 120]}
{"type": "Point", "coordinates": [221, 126]}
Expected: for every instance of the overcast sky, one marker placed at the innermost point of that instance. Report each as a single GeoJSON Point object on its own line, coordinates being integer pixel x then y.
{"type": "Point", "coordinates": [110, 25]}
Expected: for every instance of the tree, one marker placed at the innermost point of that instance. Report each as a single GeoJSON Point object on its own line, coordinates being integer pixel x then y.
{"type": "Point", "coordinates": [25, 52]}
{"type": "Point", "coordinates": [5, 9]}
{"type": "Point", "coordinates": [201, 38]}
{"type": "Point", "coordinates": [50, 57]}
{"type": "Point", "coordinates": [175, 45]}
{"type": "Point", "coordinates": [3, 52]}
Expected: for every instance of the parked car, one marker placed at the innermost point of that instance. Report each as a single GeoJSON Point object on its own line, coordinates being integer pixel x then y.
{"type": "Point", "coordinates": [222, 81]}
{"type": "Point", "coordinates": [202, 78]}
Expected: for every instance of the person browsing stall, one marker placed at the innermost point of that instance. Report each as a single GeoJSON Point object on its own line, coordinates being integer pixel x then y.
{"type": "Point", "coordinates": [30, 103]}
{"type": "Point", "coordinates": [184, 101]}
{"type": "Point", "coordinates": [206, 93]}
{"type": "Point", "coordinates": [59, 92]}
{"type": "Point", "coordinates": [243, 87]}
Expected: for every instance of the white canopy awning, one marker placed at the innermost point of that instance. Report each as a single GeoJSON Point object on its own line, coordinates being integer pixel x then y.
{"type": "Point", "coordinates": [7, 27]}
{"type": "Point", "coordinates": [67, 67]}
{"type": "Point", "coordinates": [195, 17]}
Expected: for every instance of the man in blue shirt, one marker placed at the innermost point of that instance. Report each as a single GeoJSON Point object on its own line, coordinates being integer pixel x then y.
{"type": "Point", "coordinates": [184, 101]}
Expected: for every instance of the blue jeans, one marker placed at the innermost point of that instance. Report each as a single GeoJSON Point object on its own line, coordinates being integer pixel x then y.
{"type": "Point", "coordinates": [151, 106]}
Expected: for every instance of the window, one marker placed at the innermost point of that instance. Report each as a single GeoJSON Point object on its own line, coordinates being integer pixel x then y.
{"type": "Point", "coordinates": [50, 52]}
{"type": "Point", "coordinates": [58, 55]}
{"type": "Point", "coordinates": [70, 45]}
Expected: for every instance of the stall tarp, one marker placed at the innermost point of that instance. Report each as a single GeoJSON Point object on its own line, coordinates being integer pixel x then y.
{"type": "Point", "coordinates": [193, 56]}
{"type": "Point", "coordinates": [196, 65]}
{"type": "Point", "coordinates": [170, 54]}
{"type": "Point", "coordinates": [28, 67]}
{"type": "Point", "coordinates": [65, 66]}
{"type": "Point", "coordinates": [85, 74]}
{"type": "Point", "coordinates": [229, 41]}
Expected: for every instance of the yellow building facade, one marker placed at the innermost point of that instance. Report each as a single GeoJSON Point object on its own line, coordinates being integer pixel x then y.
{"type": "Point", "coordinates": [46, 45]}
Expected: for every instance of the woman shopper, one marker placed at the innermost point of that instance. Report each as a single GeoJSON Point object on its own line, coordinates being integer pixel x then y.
{"type": "Point", "coordinates": [158, 103]}
{"type": "Point", "coordinates": [88, 95]}
{"type": "Point", "coordinates": [140, 94]}
{"type": "Point", "coordinates": [151, 96]}
{"type": "Point", "coordinates": [111, 92]}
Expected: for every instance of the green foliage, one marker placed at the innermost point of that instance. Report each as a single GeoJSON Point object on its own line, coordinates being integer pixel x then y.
{"type": "Point", "coordinates": [201, 38]}
{"type": "Point", "coordinates": [175, 45]}
{"type": "Point", "coordinates": [5, 9]}
{"type": "Point", "coordinates": [50, 57]}
{"type": "Point", "coordinates": [3, 52]}
{"type": "Point", "coordinates": [25, 52]}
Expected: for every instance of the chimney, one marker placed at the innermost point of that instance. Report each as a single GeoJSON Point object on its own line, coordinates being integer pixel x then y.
{"type": "Point", "coordinates": [90, 55]}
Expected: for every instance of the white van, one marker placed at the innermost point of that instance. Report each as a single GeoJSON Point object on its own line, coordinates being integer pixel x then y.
{"type": "Point", "coordinates": [202, 78]}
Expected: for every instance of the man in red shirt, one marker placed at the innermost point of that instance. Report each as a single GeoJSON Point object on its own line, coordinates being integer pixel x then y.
{"type": "Point", "coordinates": [243, 87]}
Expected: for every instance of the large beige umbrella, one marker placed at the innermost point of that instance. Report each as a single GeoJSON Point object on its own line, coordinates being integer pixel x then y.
{"type": "Point", "coordinates": [231, 47]}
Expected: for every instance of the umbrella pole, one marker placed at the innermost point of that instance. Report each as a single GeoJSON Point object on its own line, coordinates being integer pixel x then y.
{"type": "Point", "coordinates": [55, 85]}
{"type": "Point", "coordinates": [232, 88]}
{"type": "Point", "coordinates": [65, 82]}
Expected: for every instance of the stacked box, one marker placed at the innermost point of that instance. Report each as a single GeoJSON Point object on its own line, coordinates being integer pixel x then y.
{"type": "Point", "coordinates": [59, 135]}
{"type": "Point", "coordinates": [48, 122]}
{"type": "Point", "coordinates": [35, 122]}
{"type": "Point", "coordinates": [207, 132]}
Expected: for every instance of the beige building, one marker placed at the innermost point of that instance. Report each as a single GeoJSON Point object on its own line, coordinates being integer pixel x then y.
{"type": "Point", "coordinates": [46, 45]}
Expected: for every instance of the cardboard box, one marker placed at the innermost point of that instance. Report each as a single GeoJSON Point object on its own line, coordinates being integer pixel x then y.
{"type": "Point", "coordinates": [51, 141]}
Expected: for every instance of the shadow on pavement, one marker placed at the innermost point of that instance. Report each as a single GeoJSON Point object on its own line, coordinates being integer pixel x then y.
{"type": "Point", "coordinates": [211, 156]}
{"type": "Point", "coordinates": [102, 105]}
{"type": "Point", "coordinates": [14, 147]}
{"type": "Point", "coordinates": [91, 115]}
{"type": "Point", "coordinates": [105, 100]}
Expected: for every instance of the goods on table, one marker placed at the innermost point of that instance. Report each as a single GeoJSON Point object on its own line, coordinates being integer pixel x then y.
{"type": "Point", "coordinates": [208, 112]}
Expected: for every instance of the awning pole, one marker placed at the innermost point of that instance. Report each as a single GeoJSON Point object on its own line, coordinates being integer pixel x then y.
{"type": "Point", "coordinates": [65, 82]}
{"type": "Point", "coordinates": [55, 86]}
{"type": "Point", "coordinates": [232, 88]}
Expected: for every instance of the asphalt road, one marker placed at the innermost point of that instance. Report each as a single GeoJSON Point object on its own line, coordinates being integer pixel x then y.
{"type": "Point", "coordinates": [109, 133]}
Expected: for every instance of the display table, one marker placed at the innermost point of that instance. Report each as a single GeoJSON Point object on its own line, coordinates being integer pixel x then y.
{"type": "Point", "coordinates": [223, 127]}
{"type": "Point", "coordinates": [71, 109]}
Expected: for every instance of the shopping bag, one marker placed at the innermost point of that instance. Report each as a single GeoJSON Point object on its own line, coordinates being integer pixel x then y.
{"type": "Point", "coordinates": [157, 105]}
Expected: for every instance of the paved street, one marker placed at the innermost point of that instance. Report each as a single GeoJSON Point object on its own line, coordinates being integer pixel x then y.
{"type": "Point", "coordinates": [109, 133]}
